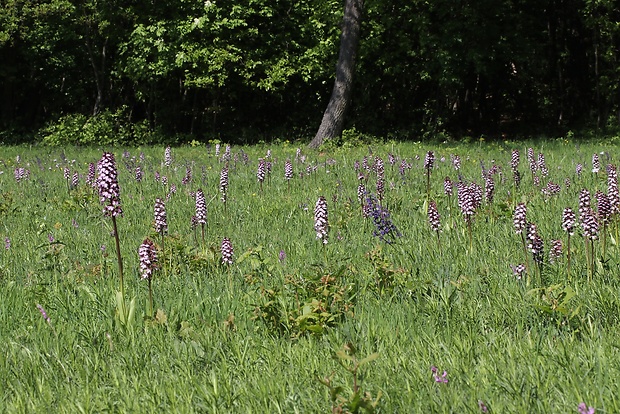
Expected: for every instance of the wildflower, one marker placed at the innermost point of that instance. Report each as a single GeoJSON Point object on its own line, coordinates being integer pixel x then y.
{"type": "Point", "coordinates": [536, 244]}
{"type": "Point", "coordinates": [217, 149]}
{"type": "Point", "coordinates": [139, 175]}
{"type": "Point", "coordinates": [568, 221]}
{"type": "Point", "coordinates": [380, 188]}
{"type": "Point", "coordinates": [201, 208]}
{"type": "Point", "coordinates": [188, 176]}
{"type": "Point", "coordinates": [90, 177]}
{"type": "Point", "coordinates": [379, 167]}
{"type": "Point", "coordinates": [468, 197]}
{"type": "Point", "coordinates": [282, 256]}
{"type": "Point", "coordinates": [596, 163]}
{"type": "Point", "coordinates": [514, 160]}
{"type": "Point", "coordinates": [391, 159]}
{"type": "Point", "coordinates": [434, 217]}
{"type": "Point", "coordinates": [321, 224]}
{"type": "Point", "coordinates": [447, 187]}
{"type": "Point", "coordinates": [456, 162]}
{"type": "Point", "coordinates": [519, 218]}
{"type": "Point", "coordinates": [443, 378]}
{"type": "Point", "coordinates": [556, 250]}
{"type": "Point", "coordinates": [361, 192]}
{"type": "Point", "coordinates": [531, 160]}
{"type": "Point", "coordinates": [550, 189]}
{"type": "Point", "coordinates": [7, 243]}
{"type": "Point", "coordinates": [161, 224]}
{"type": "Point", "coordinates": [489, 187]}
{"type": "Point", "coordinates": [603, 206]}
{"type": "Point", "coordinates": [584, 203]}
{"type": "Point", "coordinates": [542, 166]}
{"type": "Point", "coordinates": [224, 184]}
{"type": "Point", "coordinates": [584, 409]}
{"type": "Point", "coordinates": [167, 157]}
{"type": "Point", "coordinates": [107, 184]}
{"type": "Point", "coordinates": [429, 160]}
{"type": "Point", "coordinates": [612, 188]}
{"type": "Point", "coordinates": [44, 314]}
{"type": "Point", "coordinates": [260, 172]}
{"type": "Point", "coordinates": [384, 228]}
{"type": "Point", "coordinates": [288, 170]}
{"type": "Point", "coordinates": [75, 179]}
{"type": "Point", "coordinates": [579, 169]}
{"type": "Point", "coordinates": [404, 166]}
{"type": "Point", "coordinates": [173, 190]}
{"type": "Point", "coordinates": [518, 270]}
{"type": "Point", "coordinates": [482, 406]}
{"type": "Point", "coordinates": [148, 259]}
{"type": "Point", "coordinates": [227, 251]}
{"type": "Point", "coordinates": [226, 156]}
{"type": "Point", "coordinates": [589, 225]}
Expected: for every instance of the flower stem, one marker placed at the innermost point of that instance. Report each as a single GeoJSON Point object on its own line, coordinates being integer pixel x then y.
{"type": "Point", "coordinates": [118, 256]}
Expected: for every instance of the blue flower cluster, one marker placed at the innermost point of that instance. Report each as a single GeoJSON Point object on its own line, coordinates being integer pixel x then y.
{"type": "Point", "coordinates": [384, 228]}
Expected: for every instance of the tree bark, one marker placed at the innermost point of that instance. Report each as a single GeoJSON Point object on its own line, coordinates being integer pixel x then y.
{"type": "Point", "coordinates": [333, 118]}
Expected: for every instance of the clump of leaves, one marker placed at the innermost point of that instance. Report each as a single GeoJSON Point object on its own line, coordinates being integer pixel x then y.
{"type": "Point", "coordinates": [385, 275]}
{"type": "Point", "coordinates": [306, 305]}
{"type": "Point", "coordinates": [358, 400]}
{"type": "Point", "coordinates": [554, 302]}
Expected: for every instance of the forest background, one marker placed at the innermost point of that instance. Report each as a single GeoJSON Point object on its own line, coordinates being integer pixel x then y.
{"type": "Point", "coordinates": [135, 72]}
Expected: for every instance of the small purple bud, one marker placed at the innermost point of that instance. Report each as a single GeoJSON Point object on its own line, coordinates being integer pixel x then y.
{"type": "Point", "coordinates": [44, 314]}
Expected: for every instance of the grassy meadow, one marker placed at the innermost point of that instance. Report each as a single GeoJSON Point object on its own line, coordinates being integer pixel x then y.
{"type": "Point", "coordinates": [394, 314]}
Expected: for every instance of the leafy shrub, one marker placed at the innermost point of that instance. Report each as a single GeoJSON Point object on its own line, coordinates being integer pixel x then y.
{"type": "Point", "coordinates": [106, 129]}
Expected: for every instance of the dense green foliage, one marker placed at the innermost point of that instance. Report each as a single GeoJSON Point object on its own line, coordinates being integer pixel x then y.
{"type": "Point", "coordinates": [245, 69]}
{"type": "Point", "coordinates": [294, 325]}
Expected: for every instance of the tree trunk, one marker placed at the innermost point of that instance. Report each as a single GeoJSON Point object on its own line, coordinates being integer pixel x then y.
{"type": "Point", "coordinates": [333, 118]}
